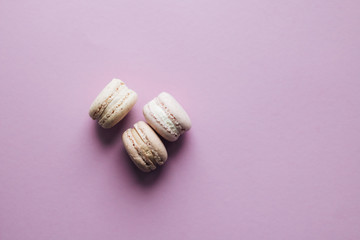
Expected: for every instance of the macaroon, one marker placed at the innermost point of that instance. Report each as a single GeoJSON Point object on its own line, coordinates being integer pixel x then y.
{"type": "Point", "coordinates": [144, 147]}
{"type": "Point", "coordinates": [167, 116]}
{"type": "Point", "coordinates": [112, 104]}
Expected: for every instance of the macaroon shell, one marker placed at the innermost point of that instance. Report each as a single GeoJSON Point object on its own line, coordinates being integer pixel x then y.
{"type": "Point", "coordinates": [120, 112]}
{"type": "Point", "coordinates": [176, 109]}
{"type": "Point", "coordinates": [157, 126]}
{"type": "Point", "coordinates": [132, 152]}
{"type": "Point", "coordinates": [154, 140]}
{"type": "Point", "coordinates": [102, 97]}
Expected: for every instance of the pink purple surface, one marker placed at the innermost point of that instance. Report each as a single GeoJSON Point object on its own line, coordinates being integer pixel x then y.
{"type": "Point", "coordinates": [272, 88]}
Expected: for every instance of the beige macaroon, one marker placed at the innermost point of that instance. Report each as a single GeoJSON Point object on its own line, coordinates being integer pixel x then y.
{"type": "Point", "coordinates": [144, 147]}
{"type": "Point", "coordinates": [112, 104]}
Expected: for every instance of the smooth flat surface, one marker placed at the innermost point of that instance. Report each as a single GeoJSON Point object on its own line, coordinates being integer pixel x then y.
{"type": "Point", "coordinates": [272, 88]}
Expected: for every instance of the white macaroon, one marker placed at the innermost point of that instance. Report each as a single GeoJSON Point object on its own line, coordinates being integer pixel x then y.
{"type": "Point", "coordinates": [167, 116]}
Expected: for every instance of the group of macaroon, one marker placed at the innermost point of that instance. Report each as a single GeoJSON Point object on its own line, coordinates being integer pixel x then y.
{"type": "Point", "coordinates": [164, 115]}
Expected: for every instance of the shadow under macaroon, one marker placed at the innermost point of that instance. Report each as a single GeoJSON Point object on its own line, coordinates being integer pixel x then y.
{"type": "Point", "coordinates": [173, 148]}
{"type": "Point", "coordinates": [109, 136]}
{"type": "Point", "coordinates": [144, 179]}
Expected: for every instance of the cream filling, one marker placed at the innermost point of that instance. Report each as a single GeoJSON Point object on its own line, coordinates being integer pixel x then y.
{"type": "Point", "coordinates": [97, 114]}
{"type": "Point", "coordinates": [155, 156]}
{"type": "Point", "coordinates": [143, 150]}
{"type": "Point", "coordinates": [170, 116]}
{"type": "Point", "coordinates": [145, 165]}
{"type": "Point", "coordinates": [163, 118]}
{"type": "Point", "coordinates": [118, 97]}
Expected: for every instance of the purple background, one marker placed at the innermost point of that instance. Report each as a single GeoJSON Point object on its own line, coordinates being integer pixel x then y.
{"type": "Point", "coordinates": [272, 88]}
